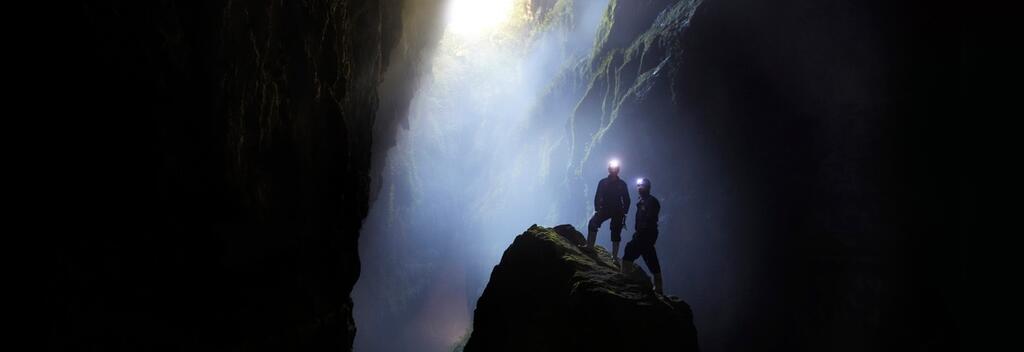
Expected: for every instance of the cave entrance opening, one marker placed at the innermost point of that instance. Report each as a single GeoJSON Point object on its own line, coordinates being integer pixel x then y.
{"type": "Point", "coordinates": [472, 170]}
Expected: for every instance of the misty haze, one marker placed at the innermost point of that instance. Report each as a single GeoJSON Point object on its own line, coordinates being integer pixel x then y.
{"type": "Point", "coordinates": [421, 175]}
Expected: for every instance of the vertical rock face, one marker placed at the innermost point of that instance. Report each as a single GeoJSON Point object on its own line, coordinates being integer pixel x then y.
{"type": "Point", "coordinates": [224, 186]}
{"type": "Point", "coordinates": [548, 294]}
{"type": "Point", "coordinates": [783, 139]}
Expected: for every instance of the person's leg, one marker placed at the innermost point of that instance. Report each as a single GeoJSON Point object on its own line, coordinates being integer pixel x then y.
{"type": "Point", "coordinates": [593, 225]}
{"type": "Point", "coordinates": [630, 255]}
{"type": "Point", "coordinates": [651, 259]}
{"type": "Point", "coordinates": [616, 235]}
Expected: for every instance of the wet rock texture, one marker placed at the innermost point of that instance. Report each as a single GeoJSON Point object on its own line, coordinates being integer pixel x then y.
{"type": "Point", "coordinates": [225, 171]}
{"type": "Point", "coordinates": [548, 294]}
{"type": "Point", "coordinates": [797, 148]}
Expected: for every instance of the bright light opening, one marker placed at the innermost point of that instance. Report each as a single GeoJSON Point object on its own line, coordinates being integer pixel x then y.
{"type": "Point", "coordinates": [475, 17]}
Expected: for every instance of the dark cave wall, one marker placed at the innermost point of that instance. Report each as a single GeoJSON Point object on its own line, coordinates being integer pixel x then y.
{"type": "Point", "coordinates": [832, 120]}
{"type": "Point", "coordinates": [221, 170]}
{"type": "Point", "coordinates": [412, 55]}
{"type": "Point", "coordinates": [800, 152]}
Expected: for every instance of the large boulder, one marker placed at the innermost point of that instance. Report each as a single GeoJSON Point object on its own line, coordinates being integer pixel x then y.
{"type": "Point", "coordinates": [550, 294]}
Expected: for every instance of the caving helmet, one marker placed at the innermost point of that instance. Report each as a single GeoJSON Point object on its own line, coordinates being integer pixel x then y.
{"type": "Point", "coordinates": [643, 185]}
{"type": "Point", "coordinates": [613, 166]}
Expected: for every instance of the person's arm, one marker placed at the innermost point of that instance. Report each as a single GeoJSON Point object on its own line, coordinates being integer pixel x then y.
{"type": "Point", "coordinates": [625, 197]}
{"type": "Point", "coordinates": [655, 209]}
{"type": "Point", "coordinates": [597, 195]}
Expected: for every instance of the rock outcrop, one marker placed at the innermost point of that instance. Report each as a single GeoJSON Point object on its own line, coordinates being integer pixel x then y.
{"type": "Point", "coordinates": [549, 294]}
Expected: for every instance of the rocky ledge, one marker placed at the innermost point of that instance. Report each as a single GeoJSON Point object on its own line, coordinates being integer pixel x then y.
{"type": "Point", "coordinates": [550, 294]}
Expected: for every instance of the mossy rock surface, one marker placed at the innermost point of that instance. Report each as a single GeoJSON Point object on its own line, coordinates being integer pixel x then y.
{"type": "Point", "coordinates": [550, 294]}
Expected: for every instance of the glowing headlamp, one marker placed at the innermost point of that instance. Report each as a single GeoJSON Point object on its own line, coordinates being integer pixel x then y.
{"type": "Point", "coordinates": [614, 164]}
{"type": "Point", "coordinates": [639, 181]}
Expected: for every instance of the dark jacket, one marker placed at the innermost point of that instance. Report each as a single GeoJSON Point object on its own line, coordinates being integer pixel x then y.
{"type": "Point", "coordinates": [647, 209]}
{"type": "Point", "coordinates": [612, 196]}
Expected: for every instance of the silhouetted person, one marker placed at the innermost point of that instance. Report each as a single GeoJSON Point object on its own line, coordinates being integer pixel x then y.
{"type": "Point", "coordinates": [642, 244]}
{"type": "Point", "coordinates": [611, 201]}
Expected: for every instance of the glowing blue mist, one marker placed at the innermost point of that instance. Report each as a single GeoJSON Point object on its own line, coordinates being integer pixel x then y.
{"type": "Point", "coordinates": [471, 171]}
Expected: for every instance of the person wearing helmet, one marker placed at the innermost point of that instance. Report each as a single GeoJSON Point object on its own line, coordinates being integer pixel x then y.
{"type": "Point", "coordinates": [642, 243]}
{"type": "Point", "coordinates": [611, 201]}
